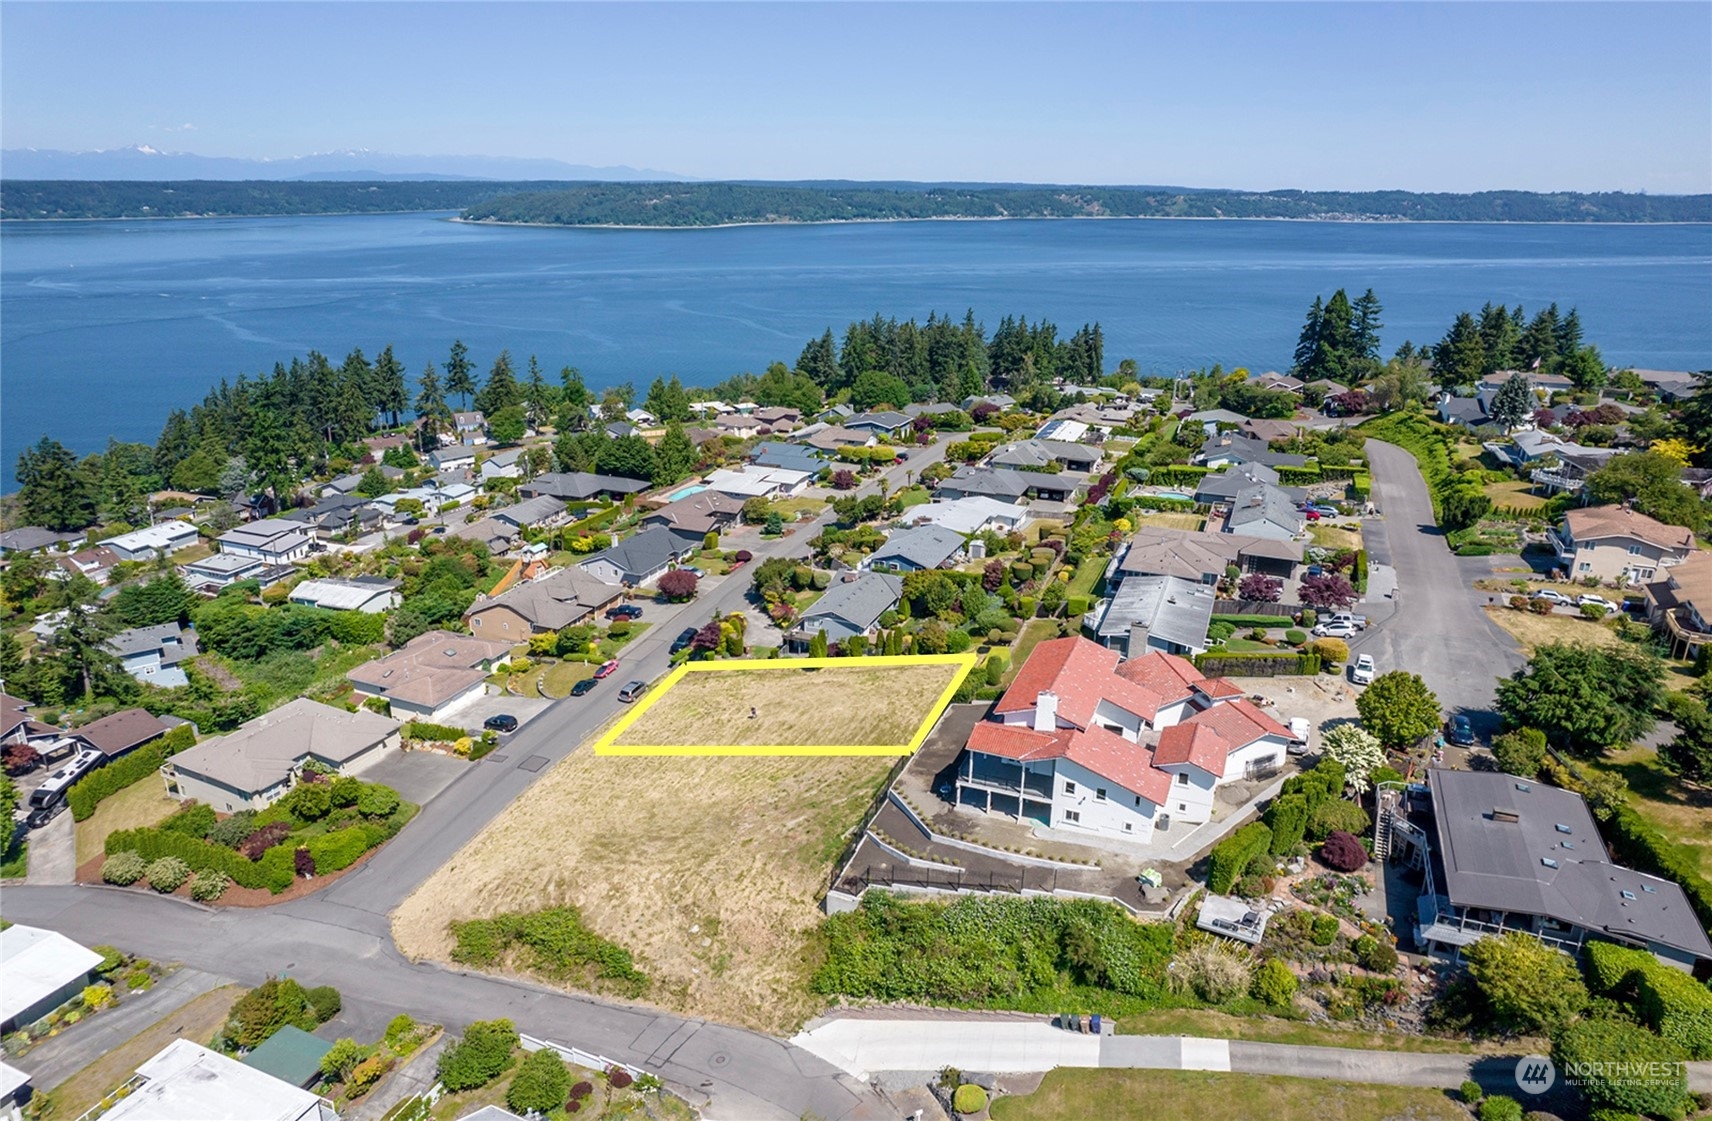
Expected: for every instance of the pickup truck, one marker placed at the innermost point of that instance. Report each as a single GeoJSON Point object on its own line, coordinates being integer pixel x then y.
{"type": "Point", "coordinates": [1359, 622]}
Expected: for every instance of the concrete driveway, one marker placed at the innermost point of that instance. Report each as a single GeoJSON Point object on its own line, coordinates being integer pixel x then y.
{"type": "Point", "coordinates": [53, 852]}
{"type": "Point", "coordinates": [1437, 629]}
{"type": "Point", "coordinates": [475, 712]}
{"type": "Point", "coordinates": [418, 776]}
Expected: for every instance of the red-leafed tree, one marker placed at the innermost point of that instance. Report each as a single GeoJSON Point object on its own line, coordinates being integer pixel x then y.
{"type": "Point", "coordinates": [304, 862]}
{"type": "Point", "coordinates": [679, 585]}
{"type": "Point", "coordinates": [1260, 588]}
{"type": "Point", "coordinates": [708, 638]}
{"type": "Point", "coordinates": [1343, 852]}
{"type": "Point", "coordinates": [844, 479]}
{"type": "Point", "coordinates": [993, 576]}
{"type": "Point", "coordinates": [20, 758]}
{"type": "Point", "coordinates": [1327, 590]}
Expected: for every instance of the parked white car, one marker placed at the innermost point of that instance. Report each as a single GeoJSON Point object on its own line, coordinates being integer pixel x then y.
{"type": "Point", "coordinates": [1363, 671]}
{"type": "Point", "coordinates": [1335, 630]}
{"type": "Point", "coordinates": [1550, 596]}
{"type": "Point", "coordinates": [1596, 601]}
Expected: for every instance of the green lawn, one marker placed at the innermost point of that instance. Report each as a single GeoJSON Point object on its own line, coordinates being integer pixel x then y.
{"type": "Point", "coordinates": [1087, 577]}
{"type": "Point", "coordinates": [1682, 813]}
{"type": "Point", "coordinates": [1177, 1095]}
{"type": "Point", "coordinates": [1514, 493]}
{"type": "Point", "coordinates": [558, 678]}
{"type": "Point", "coordinates": [913, 496]}
{"type": "Point", "coordinates": [15, 865]}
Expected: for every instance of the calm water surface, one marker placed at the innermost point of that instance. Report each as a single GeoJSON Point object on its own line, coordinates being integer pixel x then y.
{"type": "Point", "coordinates": [105, 326]}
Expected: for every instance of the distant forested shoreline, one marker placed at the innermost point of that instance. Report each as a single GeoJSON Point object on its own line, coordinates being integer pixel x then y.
{"type": "Point", "coordinates": [688, 205]}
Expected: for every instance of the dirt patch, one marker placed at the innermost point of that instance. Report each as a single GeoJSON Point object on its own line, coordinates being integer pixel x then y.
{"type": "Point", "coordinates": [707, 869]}
{"type": "Point", "coordinates": [197, 1021]}
{"type": "Point", "coordinates": [219, 674]}
{"type": "Point", "coordinates": [855, 706]}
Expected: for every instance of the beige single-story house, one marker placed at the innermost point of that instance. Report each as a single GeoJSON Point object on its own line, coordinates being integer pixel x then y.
{"type": "Point", "coordinates": [433, 673]}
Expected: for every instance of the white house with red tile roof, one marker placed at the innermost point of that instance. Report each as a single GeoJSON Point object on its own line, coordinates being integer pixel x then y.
{"type": "Point", "coordinates": [1083, 741]}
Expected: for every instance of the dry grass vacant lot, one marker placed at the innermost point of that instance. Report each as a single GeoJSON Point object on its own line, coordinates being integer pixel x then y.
{"type": "Point", "coordinates": [707, 869]}
{"type": "Point", "coordinates": [1169, 520]}
{"type": "Point", "coordinates": [1334, 536]}
{"type": "Point", "coordinates": [196, 1021]}
{"type": "Point", "coordinates": [847, 706]}
{"type": "Point", "coordinates": [1178, 1095]}
{"type": "Point", "coordinates": [138, 805]}
{"type": "Point", "coordinates": [1537, 630]}
{"type": "Point", "coordinates": [1515, 493]}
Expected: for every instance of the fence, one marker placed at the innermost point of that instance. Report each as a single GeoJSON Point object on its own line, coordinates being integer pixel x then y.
{"type": "Point", "coordinates": [1014, 880]}
{"type": "Point", "coordinates": [578, 1056]}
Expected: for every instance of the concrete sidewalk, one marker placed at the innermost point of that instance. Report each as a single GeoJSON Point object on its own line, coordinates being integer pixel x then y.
{"type": "Point", "coordinates": [58, 1058]}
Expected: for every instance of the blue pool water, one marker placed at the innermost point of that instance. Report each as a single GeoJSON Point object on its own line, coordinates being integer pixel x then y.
{"type": "Point", "coordinates": [1173, 494]}
{"type": "Point", "coordinates": [685, 492]}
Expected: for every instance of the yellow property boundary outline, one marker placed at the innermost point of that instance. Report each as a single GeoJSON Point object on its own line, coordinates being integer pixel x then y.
{"type": "Point", "coordinates": [606, 745]}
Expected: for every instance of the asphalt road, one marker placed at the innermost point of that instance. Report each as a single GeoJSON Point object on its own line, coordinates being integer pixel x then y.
{"type": "Point", "coordinates": [342, 936]}
{"type": "Point", "coordinates": [1437, 629]}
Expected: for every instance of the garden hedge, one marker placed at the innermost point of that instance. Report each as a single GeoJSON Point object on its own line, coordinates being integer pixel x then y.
{"type": "Point", "coordinates": [434, 732]}
{"type": "Point", "coordinates": [152, 844]}
{"type": "Point", "coordinates": [1639, 846]}
{"type": "Point", "coordinates": [1258, 665]}
{"type": "Point", "coordinates": [1287, 817]}
{"type": "Point", "coordinates": [1231, 855]}
{"type": "Point", "coordinates": [1676, 1006]}
{"type": "Point", "coordinates": [1610, 966]}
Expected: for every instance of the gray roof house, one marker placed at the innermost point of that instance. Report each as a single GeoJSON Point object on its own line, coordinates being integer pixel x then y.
{"type": "Point", "coordinates": [1511, 854]}
{"type": "Point", "coordinates": [503, 465]}
{"type": "Point", "coordinates": [558, 599]}
{"type": "Point", "coordinates": [641, 558]}
{"type": "Point", "coordinates": [619, 429]}
{"type": "Point", "coordinates": [997, 400]}
{"type": "Point", "coordinates": [274, 540]}
{"type": "Point", "coordinates": [454, 456]}
{"type": "Point", "coordinates": [1230, 447]}
{"type": "Point", "coordinates": [910, 550]}
{"type": "Point", "coordinates": [152, 654]}
{"type": "Point", "coordinates": [580, 486]}
{"type": "Point", "coordinates": [496, 535]}
{"type": "Point", "coordinates": [28, 537]}
{"type": "Point", "coordinates": [253, 766]}
{"type": "Point", "coordinates": [1470, 412]}
{"type": "Point", "coordinates": [883, 422]}
{"type": "Point", "coordinates": [1164, 613]}
{"type": "Point", "coordinates": [1210, 419]}
{"type": "Point", "coordinates": [368, 594]}
{"type": "Point", "coordinates": [1224, 486]}
{"type": "Point", "coordinates": [1264, 511]}
{"type": "Point", "coordinates": [990, 482]}
{"type": "Point", "coordinates": [851, 607]}
{"type": "Point", "coordinates": [792, 457]}
{"type": "Point", "coordinates": [541, 510]}
{"type": "Point", "coordinates": [1044, 453]}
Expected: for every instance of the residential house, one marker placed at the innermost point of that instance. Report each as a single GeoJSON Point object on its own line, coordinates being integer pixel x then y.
{"type": "Point", "coordinates": [1266, 431]}
{"type": "Point", "coordinates": [1064, 429]}
{"type": "Point", "coordinates": [850, 607]}
{"type": "Point", "coordinates": [432, 674]}
{"type": "Point", "coordinates": [1199, 556]}
{"type": "Point", "coordinates": [93, 564]}
{"type": "Point", "coordinates": [1569, 474]}
{"type": "Point", "coordinates": [1219, 488]}
{"type": "Point", "coordinates": [1039, 455]}
{"type": "Point", "coordinates": [1680, 605]}
{"type": "Point", "coordinates": [252, 767]}
{"type": "Point", "coordinates": [348, 484]}
{"type": "Point", "coordinates": [833, 437]}
{"type": "Point", "coordinates": [1165, 613]}
{"type": "Point", "coordinates": [885, 423]}
{"type": "Point", "coordinates": [187, 1081]}
{"type": "Point", "coordinates": [694, 516]}
{"type": "Point", "coordinates": [999, 401]}
{"type": "Point", "coordinates": [1211, 420]}
{"type": "Point", "coordinates": [152, 654]}
{"type": "Point", "coordinates": [1698, 480]}
{"type": "Point", "coordinates": [39, 971]}
{"type": "Point", "coordinates": [541, 510]}
{"type": "Point", "coordinates": [274, 540]}
{"type": "Point", "coordinates": [737, 425]}
{"type": "Point", "coordinates": [561, 598]}
{"type": "Point", "coordinates": [17, 725]}
{"type": "Point", "coordinates": [1000, 483]}
{"type": "Point", "coordinates": [1469, 412]}
{"type": "Point", "coordinates": [29, 537]}
{"type": "Point", "coordinates": [836, 414]}
{"type": "Point", "coordinates": [705, 408]}
{"type": "Point", "coordinates": [1529, 446]}
{"type": "Point", "coordinates": [432, 498]}
{"type": "Point", "coordinates": [470, 428]}
{"type": "Point", "coordinates": [455, 457]}
{"type": "Point", "coordinates": [507, 464]}
{"type": "Point", "coordinates": [151, 541]}
{"type": "Point", "coordinates": [1231, 448]}
{"type": "Point", "coordinates": [1503, 854]}
{"type": "Point", "coordinates": [1081, 741]}
{"type": "Point", "coordinates": [368, 594]}
{"type": "Point", "coordinates": [640, 559]}
{"type": "Point", "coordinates": [340, 514]}
{"type": "Point", "coordinates": [1278, 383]}
{"type": "Point", "coordinates": [209, 575]}
{"type": "Point", "coordinates": [912, 550]}
{"type": "Point", "coordinates": [122, 732]}
{"type": "Point", "coordinates": [496, 536]}
{"type": "Point", "coordinates": [792, 457]}
{"type": "Point", "coordinates": [1670, 385]}
{"type": "Point", "coordinates": [759, 482]}
{"type": "Point", "coordinates": [1325, 387]}
{"type": "Point", "coordinates": [1264, 511]}
{"type": "Point", "coordinates": [1617, 543]}
{"type": "Point", "coordinates": [580, 486]}
{"type": "Point", "coordinates": [965, 516]}
{"type": "Point", "coordinates": [937, 408]}
{"type": "Point", "coordinates": [619, 429]}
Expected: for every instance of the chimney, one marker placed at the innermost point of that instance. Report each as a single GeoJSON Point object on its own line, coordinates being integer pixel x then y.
{"type": "Point", "coordinates": [1046, 711]}
{"type": "Point", "coordinates": [1137, 641]}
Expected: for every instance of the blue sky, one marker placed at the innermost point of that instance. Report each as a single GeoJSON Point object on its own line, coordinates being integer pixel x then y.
{"type": "Point", "coordinates": [1442, 96]}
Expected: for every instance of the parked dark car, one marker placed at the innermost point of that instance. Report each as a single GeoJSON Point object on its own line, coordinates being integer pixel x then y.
{"type": "Point", "coordinates": [1461, 731]}
{"type": "Point", "coordinates": [41, 815]}
{"type": "Point", "coordinates": [624, 611]}
{"type": "Point", "coordinates": [504, 722]}
{"type": "Point", "coordinates": [632, 690]}
{"type": "Point", "coordinates": [585, 686]}
{"type": "Point", "coordinates": [682, 642]}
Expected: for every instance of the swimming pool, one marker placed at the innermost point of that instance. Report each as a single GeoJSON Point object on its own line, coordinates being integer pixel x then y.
{"type": "Point", "coordinates": [1173, 495]}
{"type": "Point", "coordinates": [685, 492]}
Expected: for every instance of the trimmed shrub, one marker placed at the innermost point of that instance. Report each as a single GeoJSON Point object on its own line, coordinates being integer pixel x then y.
{"type": "Point", "coordinates": [1331, 651]}
{"type": "Point", "coordinates": [1325, 930]}
{"type": "Point", "coordinates": [541, 1083]}
{"type": "Point", "coordinates": [1287, 817]}
{"type": "Point", "coordinates": [1376, 954]}
{"type": "Point", "coordinates": [123, 868]}
{"type": "Point", "coordinates": [265, 1009]}
{"type": "Point", "coordinates": [1274, 983]}
{"type": "Point", "coordinates": [1599, 1045]}
{"type": "Point", "coordinates": [167, 874]}
{"type": "Point", "coordinates": [1500, 1108]}
{"type": "Point", "coordinates": [1676, 1006]}
{"type": "Point", "coordinates": [1344, 852]}
{"type": "Point", "coordinates": [194, 820]}
{"type": "Point", "coordinates": [581, 1090]}
{"type": "Point", "coordinates": [345, 791]}
{"type": "Point", "coordinates": [1231, 855]}
{"type": "Point", "coordinates": [343, 847]}
{"type": "Point", "coordinates": [308, 801]}
{"type": "Point", "coordinates": [152, 844]}
{"type": "Point", "coordinates": [207, 886]}
{"type": "Point", "coordinates": [618, 1078]}
{"type": "Point", "coordinates": [324, 1001]}
{"type": "Point", "coordinates": [1470, 1092]}
{"type": "Point", "coordinates": [264, 839]}
{"type": "Point", "coordinates": [1295, 637]}
{"type": "Point", "coordinates": [1336, 815]}
{"type": "Point", "coordinates": [1611, 968]}
{"type": "Point", "coordinates": [969, 1098]}
{"type": "Point", "coordinates": [433, 733]}
{"type": "Point", "coordinates": [233, 831]}
{"type": "Point", "coordinates": [376, 800]}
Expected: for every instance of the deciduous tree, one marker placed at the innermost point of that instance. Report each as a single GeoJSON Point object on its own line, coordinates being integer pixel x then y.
{"type": "Point", "coordinates": [1528, 985]}
{"type": "Point", "coordinates": [1357, 749]}
{"type": "Point", "coordinates": [1399, 708]}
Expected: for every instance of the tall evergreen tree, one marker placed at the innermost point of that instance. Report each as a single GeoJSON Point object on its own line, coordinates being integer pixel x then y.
{"type": "Point", "coordinates": [1337, 338]}
{"type": "Point", "coordinates": [1498, 338]}
{"type": "Point", "coordinates": [1512, 403]}
{"type": "Point", "coordinates": [574, 399]}
{"type": "Point", "coordinates": [460, 373]}
{"type": "Point", "coordinates": [390, 395]}
{"type": "Point", "coordinates": [501, 390]}
{"type": "Point", "coordinates": [537, 395]}
{"type": "Point", "coordinates": [1538, 344]}
{"type": "Point", "coordinates": [1364, 340]}
{"type": "Point", "coordinates": [431, 409]}
{"type": "Point", "coordinates": [819, 361]}
{"type": "Point", "coordinates": [1569, 334]}
{"type": "Point", "coordinates": [53, 492]}
{"type": "Point", "coordinates": [1308, 343]}
{"type": "Point", "coordinates": [674, 457]}
{"type": "Point", "coordinates": [1459, 357]}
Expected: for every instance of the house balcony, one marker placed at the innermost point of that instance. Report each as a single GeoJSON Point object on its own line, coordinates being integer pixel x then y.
{"type": "Point", "coordinates": [1556, 481]}
{"type": "Point", "coordinates": [1562, 545]}
{"type": "Point", "coordinates": [1686, 639]}
{"type": "Point", "coordinates": [1438, 920]}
